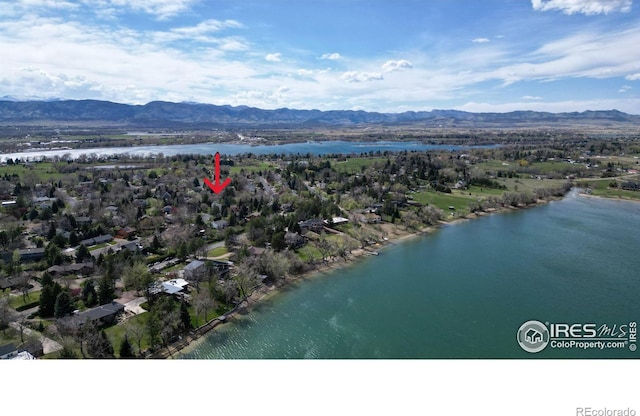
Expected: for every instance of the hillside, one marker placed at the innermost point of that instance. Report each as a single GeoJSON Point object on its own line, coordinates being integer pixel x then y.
{"type": "Point", "coordinates": [168, 114]}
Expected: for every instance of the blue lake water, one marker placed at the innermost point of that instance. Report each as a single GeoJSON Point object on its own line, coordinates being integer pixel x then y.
{"type": "Point", "coordinates": [461, 292]}
{"type": "Point", "coordinates": [314, 148]}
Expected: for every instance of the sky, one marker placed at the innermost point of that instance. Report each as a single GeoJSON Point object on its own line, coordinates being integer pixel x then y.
{"type": "Point", "coordinates": [373, 55]}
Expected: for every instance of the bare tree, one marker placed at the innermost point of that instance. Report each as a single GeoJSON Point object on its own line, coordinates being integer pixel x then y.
{"type": "Point", "coordinates": [136, 331]}
{"type": "Point", "coordinates": [5, 313]}
{"type": "Point", "coordinates": [203, 302]}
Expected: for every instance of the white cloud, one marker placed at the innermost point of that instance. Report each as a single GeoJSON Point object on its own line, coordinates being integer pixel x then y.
{"type": "Point", "coordinates": [624, 88]}
{"type": "Point", "coordinates": [331, 56]}
{"type": "Point", "coordinates": [273, 57]}
{"type": "Point", "coordinates": [588, 7]}
{"type": "Point", "coordinates": [355, 76]}
{"type": "Point", "coordinates": [481, 40]}
{"type": "Point", "coordinates": [531, 98]}
{"type": "Point", "coordinates": [392, 66]}
{"type": "Point", "coordinates": [633, 77]}
{"type": "Point", "coordinates": [629, 106]}
{"type": "Point", "coordinates": [207, 26]}
{"type": "Point", "coordinates": [161, 9]}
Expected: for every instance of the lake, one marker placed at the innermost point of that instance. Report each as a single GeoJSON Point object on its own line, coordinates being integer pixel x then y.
{"type": "Point", "coordinates": [231, 149]}
{"type": "Point", "coordinates": [462, 292]}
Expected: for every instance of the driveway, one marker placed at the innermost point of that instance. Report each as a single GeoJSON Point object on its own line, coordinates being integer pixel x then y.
{"type": "Point", "coordinates": [48, 345]}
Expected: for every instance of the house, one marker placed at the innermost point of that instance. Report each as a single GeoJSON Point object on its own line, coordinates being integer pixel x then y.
{"type": "Point", "coordinates": [192, 269]}
{"type": "Point", "coordinates": [103, 314]}
{"type": "Point", "coordinates": [8, 351]}
{"type": "Point", "coordinates": [26, 255]}
{"type": "Point", "coordinates": [339, 220]}
{"type": "Point", "coordinates": [174, 286]}
{"type": "Point", "coordinates": [125, 232]}
{"type": "Point", "coordinates": [83, 220]}
{"type": "Point", "coordinates": [294, 240]}
{"type": "Point", "coordinates": [315, 224]}
{"type": "Point", "coordinates": [132, 246]}
{"type": "Point", "coordinates": [220, 224]}
{"type": "Point", "coordinates": [460, 185]}
{"type": "Point", "coordinates": [372, 218]}
{"type": "Point", "coordinates": [105, 238]}
{"type": "Point", "coordinates": [257, 251]}
{"type": "Point", "coordinates": [221, 267]}
{"type": "Point", "coordinates": [67, 269]}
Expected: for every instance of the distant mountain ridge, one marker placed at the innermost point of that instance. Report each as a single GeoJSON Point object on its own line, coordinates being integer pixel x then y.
{"type": "Point", "coordinates": [169, 114]}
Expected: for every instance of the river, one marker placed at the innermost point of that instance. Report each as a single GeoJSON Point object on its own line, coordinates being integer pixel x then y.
{"type": "Point", "coordinates": [462, 292]}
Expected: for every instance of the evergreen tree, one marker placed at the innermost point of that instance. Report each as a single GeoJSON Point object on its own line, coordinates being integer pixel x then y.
{"type": "Point", "coordinates": [185, 318]}
{"type": "Point", "coordinates": [48, 295]}
{"type": "Point", "coordinates": [82, 254]}
{"type": "Point", "coordinates": [125, 349]}
{"type": "Point", "coordinates": [73, 239]}
{"type": "Point", "coordinates": [106, 290]}
{"type": "Point", "coordinates": [89, 295]}
{"type": "Point", "coordinates": [62, 305]}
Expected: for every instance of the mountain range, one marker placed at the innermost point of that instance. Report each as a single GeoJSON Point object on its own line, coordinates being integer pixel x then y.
{"type": "Point", "coordinates": [180, 115]}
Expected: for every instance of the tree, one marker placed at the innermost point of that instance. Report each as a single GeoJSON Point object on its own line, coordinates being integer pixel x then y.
{"type": "Point", "coordinates": [106, 290]}
{"type": "Point", "coordinates": [126, 350]}
{"type": "Point", "coordinates": [136, 331]}
{"type": "Point", "coordinates": [137, 277]}
{"type": "Point", "coordinates": [5, 313]}
{"type": "Point", "coordinates": [99, 346]}
{"type": "Point", "coordinates": [73, 238]}
{"type": "Point", "coordinates": [278, 242]}
{"type": "Point", "coordinates": [185, 318]}
{"type": "Point", "coordinates": [82, 254]}
{"type": "Point", "coordinates": [246, 279]}
{"type": "Point", "coordinates": [63, 305]}
{"type": "Point", "coordinates": [203, 303]}
{"type": "Point", "coordinates": [89, 295]}
{"type": "Point", "coordinates": [48, 296]}
{"type": "Point", "coordinates": [67, 351]}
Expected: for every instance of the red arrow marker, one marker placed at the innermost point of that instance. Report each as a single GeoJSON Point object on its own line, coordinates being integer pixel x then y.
{"type": "Point", "coordinates": [217, 187]}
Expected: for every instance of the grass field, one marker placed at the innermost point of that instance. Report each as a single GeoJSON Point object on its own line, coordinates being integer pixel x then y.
{"type": "Point", "coordinates": [18, 301]}
{"type": "Point", "coordinates": [44, 171]}
{"type": "Point", "coordinates": [218, 251]}
{"type": "Point", "coordinates": [602, 188]}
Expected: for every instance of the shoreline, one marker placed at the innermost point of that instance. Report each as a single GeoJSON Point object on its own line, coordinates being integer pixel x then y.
{"type": "Point", "coordinates": [244, 307]}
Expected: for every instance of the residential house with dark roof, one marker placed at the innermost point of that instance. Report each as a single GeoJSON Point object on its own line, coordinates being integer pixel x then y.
{"type": "Point", "coordinates": [103, 314]}
{"type": "Point", "coordinates": [105, 238]}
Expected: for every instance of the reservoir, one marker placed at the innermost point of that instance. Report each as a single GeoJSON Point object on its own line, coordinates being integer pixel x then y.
{"type": "Point", "coordinates": [461, 292]}
{"type": "Point", "coordinates": [230, 149]}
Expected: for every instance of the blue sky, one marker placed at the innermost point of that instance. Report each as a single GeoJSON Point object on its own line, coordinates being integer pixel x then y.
{"type": "Point", "coordinates": [374, 55]}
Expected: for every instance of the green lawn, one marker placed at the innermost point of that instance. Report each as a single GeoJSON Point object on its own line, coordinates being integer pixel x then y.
{"type": "Point", "coordinates": [97, 246]}
{"type": "Point", "coordinates": [18, 301]}
{"type": "Point", "coordinates": [601, 188]}
{"type": "Point", "coordinates": [308, 253]}
{"type": "Point", "coordinates": [45, 171]}
{"type": "Point", "coordinates": [218, 251]}
{"type": "Point", "coordinates": [444, 201]}
{"type": "Point", "coordinates": [116, 333]}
